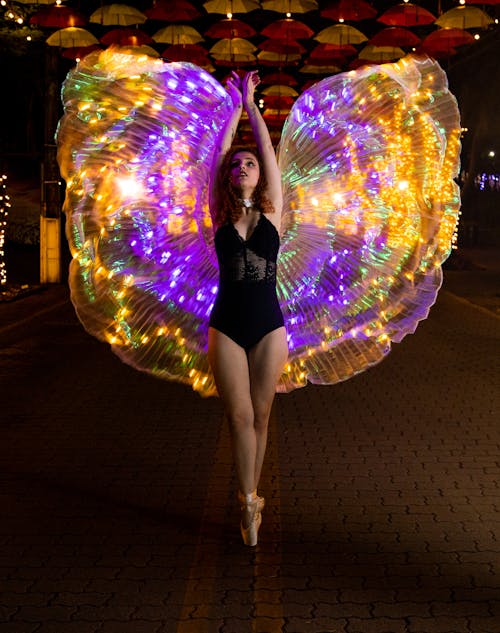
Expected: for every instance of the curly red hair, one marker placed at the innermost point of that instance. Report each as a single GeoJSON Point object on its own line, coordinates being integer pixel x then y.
{"type": "Point", "coordinates": [229, 198]}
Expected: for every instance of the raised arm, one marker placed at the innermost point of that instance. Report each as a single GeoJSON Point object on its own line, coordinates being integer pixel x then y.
{"type": "Point", "coordinates": [264, 145]}
{"type": "Point", "coordinates": [226, 138]}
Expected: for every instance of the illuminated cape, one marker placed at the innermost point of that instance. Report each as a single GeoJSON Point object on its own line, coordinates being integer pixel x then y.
{"type": "Point", "coordinates": [368, 160]}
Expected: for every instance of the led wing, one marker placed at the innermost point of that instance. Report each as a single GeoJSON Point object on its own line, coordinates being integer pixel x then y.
{"type": "Point", "coordinates": [135, 146]}
{"type": "Point", "coordinates": [368, 160]}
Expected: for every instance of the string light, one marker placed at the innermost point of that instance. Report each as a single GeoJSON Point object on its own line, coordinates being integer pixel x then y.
{"type": "Point", "coordinates": [4, 212]}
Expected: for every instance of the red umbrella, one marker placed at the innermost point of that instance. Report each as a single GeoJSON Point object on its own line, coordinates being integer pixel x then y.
{"type": "Point", "coordinates": [58, 17]}
{"type": "Point", "coordinates": [406, 14]}
{"type": "Point", "coordinates": [168, 11]}
{"type": "Point", "coordinates": [193, 53]}
{"type": "Point", "coordinates": [288, 29]}
{"type": "Point", "coordinates": [79, 52]}
{"type": "Point", "coordinates": [446, 39]}
{"type": "Point", "coordinates": [333, 51]}
{"type": "Point", "coordinates": [395, 36]}
{"type": "Point", "coordinates": [279, 78]}
{"type": "Point", "coordinates": [230, 28]}
{"type": "Point", "coordinates": [126, 37]}
{"type": "Point", "coordinates": [350, 10]}
{"type": "Point", "coordinates": [282, 46]}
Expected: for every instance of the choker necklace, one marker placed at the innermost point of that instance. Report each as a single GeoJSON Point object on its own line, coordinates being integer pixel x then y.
{"type": "Point", "coordinates": [246, 203]}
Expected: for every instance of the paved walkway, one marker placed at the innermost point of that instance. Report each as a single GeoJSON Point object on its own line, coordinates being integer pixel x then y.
{"type": "Point", "coordinates": [117, 492]}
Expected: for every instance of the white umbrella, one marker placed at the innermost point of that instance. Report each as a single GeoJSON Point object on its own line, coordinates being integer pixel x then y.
{"type": "Point", "coordinates": [381, 53]}
{"type": "Point", "coordinates": [230, 46]}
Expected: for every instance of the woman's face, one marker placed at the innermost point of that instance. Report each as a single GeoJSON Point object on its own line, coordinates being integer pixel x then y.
{"type": "Point", "coordinates": [244, 171]}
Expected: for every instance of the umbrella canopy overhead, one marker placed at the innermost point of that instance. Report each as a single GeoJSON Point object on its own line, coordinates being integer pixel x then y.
{"type": "Point", "coordinates": [406, 14]}
{"type": "Point", "coordinates": [282, 46]}
{"type": "Point", "coordinates": [464, 18]}
{"type": "Point", "coordinates": [279, 77]}
{"type": "Point", "coordinates": [118, 15]}
{"type": "Point", "coordinates": [168, 11]}
{"type": "Point", "coordinates": [395, 36]}
{"type": "Point", "coordinates": [349, 10]}
{"type": "Point", "coordinates": [340, 34]}
{"type": "Point", "coordinates": [227, 7]}
{"type": "Point", "coordinates": [280, 90]}
{"type": "Point", "coordinates": [230, 27]}
{"type": "Point", "coordinates": [288, 29]}
{"type": "Point", "coordinates": [446, 39]}
{"type": "Point", "coordinates": [290, 6]}
{"type": "Point", "coordinates": [71, 37]}
{"type": "Point", "coordinates": [58, 17]}
{"type": "Point", "coordinates": [231, 46]}
{"type": "Point", "coordinates": [126, 37]}
{"type": "Point", "coordinates": [178, 34]}
{"type": "Point", "coordinates": [381, 53]}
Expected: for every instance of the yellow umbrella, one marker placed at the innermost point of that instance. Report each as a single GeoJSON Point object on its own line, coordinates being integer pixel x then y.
{"type": "Point", "coordinates": [278, 90]}
{"type": "Point", "coordinates": [290, 6]}
{"type": "Point", "coordinates": [178, 34]}
{"type": "Point", "coordinates": [319, 70]}
{"type": "Point", "coordinates": [231, 46]}
{"type": "Point", "coordinates": [340, 34]}
{"type": "Point", "coordinates": [268, 58]}
{"type": "Point", "coordinates": [71, 37]}
{"type": "Point", "coordinates": [381, 53]}
{"type": "Point", "coordinates": [234, 59]}
{"type": "Point", "coordinates": [121, 14]}
{"type": "Point", "coordinates": [230, 6]}
{"type": "Point", "coordinates": [464, 18]}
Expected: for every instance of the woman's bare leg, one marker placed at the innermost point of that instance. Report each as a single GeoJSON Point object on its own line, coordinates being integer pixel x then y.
{"type": "Point", "coordinates": [229, 365]}
{"type": "Point", "coordinates": [266, 362]}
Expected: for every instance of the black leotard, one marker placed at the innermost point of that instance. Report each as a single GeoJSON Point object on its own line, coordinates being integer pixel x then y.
{"type": "Point", "coordinates": [246, 307]}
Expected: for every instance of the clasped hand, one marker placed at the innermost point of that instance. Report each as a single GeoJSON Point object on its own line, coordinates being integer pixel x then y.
{"type": "Point", "coordinates": [242, 90]}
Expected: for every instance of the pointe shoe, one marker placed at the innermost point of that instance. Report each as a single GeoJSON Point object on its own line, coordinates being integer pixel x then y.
{"type": "Point", "coordinates": [253, 505]}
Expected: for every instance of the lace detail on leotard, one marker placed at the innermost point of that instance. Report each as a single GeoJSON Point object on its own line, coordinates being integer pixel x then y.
{"type": "Point", "coordinates": [248, 266]}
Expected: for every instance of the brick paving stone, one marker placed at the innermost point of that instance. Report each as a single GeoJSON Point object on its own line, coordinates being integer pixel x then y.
{"type": "Point", "coordinates": [135, 626]}
{"type": "Point", "coordinates": [68, 627]}
{"type": "Point", "coordinates": [378, 625]}
{"type": "Point", "coordinates": [484, 624]}
{"type": "Point", "coordinates": [316, 625]}
{"type": "Point", "coordinates": [438, 624]}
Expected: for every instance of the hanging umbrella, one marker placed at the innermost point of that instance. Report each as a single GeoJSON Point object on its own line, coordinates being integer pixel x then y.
{"type": "Point", "coordinates": [313, 69]}
{"type": "Point", "coordinates": [144, 49]}
{"type": "Point", "coordinates": [166, 11]}
{"type": "Point", "coordinates": [117, 14]}
{"type": "Point", "coordinates": [340, 34]}
{"type": "Point", "coordinates": [230, 28]}
{"type": "Point", "coordinates": [57, 17]}
{"type": "Point", "coordinates": [279, 90]}
{"type": "Point", "coordinates": [126, 37]}
{"type": "Point", "coordinates": [282, 46]}
{"type": "Point", "coordinates": [381, 54]}
{"type": "Point", "coordinates": [279, 78]}
{"type": "Point", "coordinates": [394, 36]}
{"type": "Point", "coordinates": [406, 14]}
{"type": "Point", "coordinates": [193, 53]}
{"type": "Point", "coordinates": [268, 58]}
{"type": "Point", "coordinates": [38, 2]}
{"type": "Point", "coordinates": [236, 45]}
{"type": "Point", "coordinates": [290, 6]}
{"type": "Point", "coordinates": [71, 37]}
{"type": "Point", "coordinates": [235, 60]}
{"type": "Point", "coordinates": [227, 7]}
{"type": "Point", "coordinates": [492, 2]}
{"type": "Point", "coordinates": [446, 39]}
{"type": "Point", "coordinates": [464, 18]}
{"type": "Point", "coordinates": [288, 29]}
{"type": "Point", "coordinates": [178, 34]}
{"type": "Point", "coordinates": [79, 52]}
{"type": "Point", "coordinates": [350, 10]}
